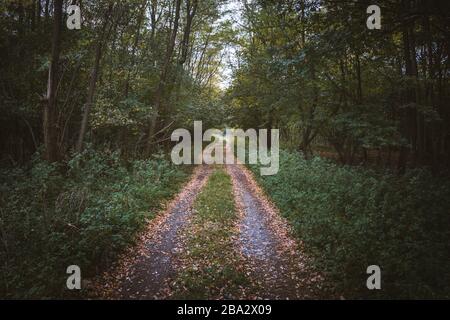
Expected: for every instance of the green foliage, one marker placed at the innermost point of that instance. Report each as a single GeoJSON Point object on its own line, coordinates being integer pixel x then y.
{"type": "Point", "coordinates": [85, 214]}
{"type": "Point", "coordinates": [350, 218]}
{"type": "Point", "coordinates": [315, 71]}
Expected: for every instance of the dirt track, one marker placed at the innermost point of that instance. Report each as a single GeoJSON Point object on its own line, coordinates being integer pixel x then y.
{"type": "Point", "coordinates": [275, 259]}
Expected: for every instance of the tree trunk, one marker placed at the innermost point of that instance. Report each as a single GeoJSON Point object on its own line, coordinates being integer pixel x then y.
{"type": "Point", "coordinates": [191, 10]}
{"type": "Point", "coordinates": [93, 79]}
{"type": "Point", "coordinates": [47, 4]}
{"type": "Point", "coordinates": [133, 50]}
{"type": "Point", "coordinates": [163, 78]}
{"type": "Point", "coordinates": [90, 97]}
{"type": "Point", "coordinates": [49, 126]}
{"type": "Point", "coordinates": [409, 121]}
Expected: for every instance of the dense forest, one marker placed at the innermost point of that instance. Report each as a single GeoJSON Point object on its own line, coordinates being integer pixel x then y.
{"type": "Point", "coordinates": [86, 116]}
{"type": "Point", "coordinates": [323, 78]}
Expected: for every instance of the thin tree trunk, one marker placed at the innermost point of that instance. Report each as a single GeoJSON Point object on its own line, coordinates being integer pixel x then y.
{"type": "Point", "coordinates": [90, 97]}
{"type": "Point", "coordinates": [93, 83]}
{"type": "Point", "coordinates": [49, 126]}
{"type": "Point", "coordinates": [135, 44]}
{"type": "Point", "coordinates": [47, 4]}
{"type": "Point", "coordinates": [409, 122]}
{"type": "Point", "coordinates": [163, 78]}
{"type": "Point", "coordinates": [39, 9]}
{"type": "Point", "coordinates": [190, 13]}
{"type": "Point", "coordinates": [358, 78]}
{"type": "Point", "coordinates": [191, 10]}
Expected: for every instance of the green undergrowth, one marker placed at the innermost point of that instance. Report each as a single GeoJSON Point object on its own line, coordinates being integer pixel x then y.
{"type": "Point", "coordinates": [349, 218]}
{"type": "Point", "coordinates": [83, 212]}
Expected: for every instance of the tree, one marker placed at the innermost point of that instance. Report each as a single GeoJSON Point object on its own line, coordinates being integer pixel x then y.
{"type": "Point", "coordinates": [106, 25]}
{"type": "Point", "coordinates": [49, 126]}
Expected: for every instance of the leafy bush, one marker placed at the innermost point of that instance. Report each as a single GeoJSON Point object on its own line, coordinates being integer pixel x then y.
{"type": "Point", "coordinates": [349, 218]}
{"type": "Point", "coordinates": [83, 214]}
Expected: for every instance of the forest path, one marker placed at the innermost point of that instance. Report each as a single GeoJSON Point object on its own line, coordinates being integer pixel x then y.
{"type": "Point", "coordinates": [275, 260]}
{"type": "Point", "coordinates": [144, 272]}
{"type": "Point", "coordinates": [272, 259]}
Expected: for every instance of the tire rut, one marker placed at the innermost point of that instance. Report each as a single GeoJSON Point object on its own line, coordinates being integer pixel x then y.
{"type": "Point", "coordinates": [274, 258]}
{"type": "Point", "coordinates": [147, 269]}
